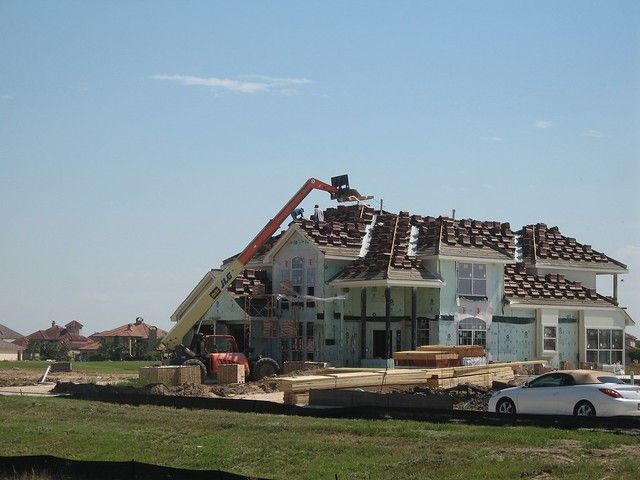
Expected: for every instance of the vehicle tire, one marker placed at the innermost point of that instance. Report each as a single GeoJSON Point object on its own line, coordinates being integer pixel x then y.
{"type": "Point", "coordinates": [203, 369]}
{"type": "Point", "coordinates": [584, 409]}
{"type": "Point", "coordinates": [506, 407]}
{"type": "Point", "coordinates": [265, 367]}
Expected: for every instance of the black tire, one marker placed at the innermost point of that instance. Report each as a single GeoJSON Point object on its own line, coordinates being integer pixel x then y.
{"type": "Point", "coordinates": [506, 406]}
{"type": "Point", "coordinates": [203, 369]}
{"type": "Point", "coordinates": [584, 409]}
{"type": "Point", "coordinates": [265, 367]}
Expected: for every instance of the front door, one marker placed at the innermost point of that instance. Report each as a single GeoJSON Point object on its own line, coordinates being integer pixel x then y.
{"type": "Point", "coordinates": [379, 344]}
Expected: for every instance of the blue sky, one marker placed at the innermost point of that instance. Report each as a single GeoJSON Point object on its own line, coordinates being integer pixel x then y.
{"type": "Point", "coordinates": [143, 142]}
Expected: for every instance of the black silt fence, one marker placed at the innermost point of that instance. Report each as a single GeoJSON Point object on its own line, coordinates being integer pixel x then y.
{"type": "Point", "coordinates": [62, 468]}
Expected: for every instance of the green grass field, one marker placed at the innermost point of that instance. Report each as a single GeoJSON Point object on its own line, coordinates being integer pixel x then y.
{"type": "Point", "coordinates": [274, 446]}
{"type": "Point", "coordinates": [84, 367]}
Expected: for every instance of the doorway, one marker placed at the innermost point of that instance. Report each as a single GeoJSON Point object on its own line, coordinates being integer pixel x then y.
{"type": "Point", "coordinates": [379, 344]}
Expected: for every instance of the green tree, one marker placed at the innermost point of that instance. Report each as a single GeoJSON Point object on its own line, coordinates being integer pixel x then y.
{"type": "Point", "coordinates": [634, 354]}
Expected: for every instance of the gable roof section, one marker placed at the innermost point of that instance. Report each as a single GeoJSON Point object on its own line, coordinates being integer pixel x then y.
{"type": "Point", "coordinates": [464, 238]}
{"type": "Point", "coordinates": [388, 257]}
{"type": "Point", "coordinates": [342, 230]}
{"type": "Point", "coordinates": [6, 332]}
{"type": "Point", "coordinates": [544, 246]}
{"type": "Point", "coordinates": [522, 287]}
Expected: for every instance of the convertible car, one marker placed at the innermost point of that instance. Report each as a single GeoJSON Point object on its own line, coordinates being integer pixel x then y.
{"type": "Point", "coordinates": [570, 392]}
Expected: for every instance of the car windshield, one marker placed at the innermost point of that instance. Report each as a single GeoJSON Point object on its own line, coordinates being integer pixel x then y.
{"type": "Point", "coordinates": [612, 379]}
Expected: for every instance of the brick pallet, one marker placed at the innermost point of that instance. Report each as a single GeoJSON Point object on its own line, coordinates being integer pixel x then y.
{"type": "Point", "coordinates": [170, 374]}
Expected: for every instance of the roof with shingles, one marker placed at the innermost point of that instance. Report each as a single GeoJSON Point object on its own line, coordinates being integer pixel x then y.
{"type": "Point", "coordinates": [56, 333]}
{"type": "Point", "coordinates": [464, 237]}
{"type": "Point", "coordinates": [6, 332]}
{"type": "Point", "coordinates": [547, 246]}
{"type": "Point", "coordinates": [388, 256]}
{"type": "Point", "coordinates": [133, 330]}
{"type": "Point", "coordinates": [523, 287]}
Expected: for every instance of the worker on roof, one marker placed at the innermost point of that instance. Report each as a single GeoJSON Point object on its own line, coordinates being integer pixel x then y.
{"type": "Point", "coordinates": [318, 213]}
{"type": "Point", "coordinates": [297, 213]}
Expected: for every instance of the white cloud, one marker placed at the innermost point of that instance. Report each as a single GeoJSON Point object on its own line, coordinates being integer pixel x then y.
{"type": "Point", "coordinates": [543, 124]}
{"type": "Point", "coordinates": [593, 134]}
{"type": "Point", "coordinates": [248, 84]}
{"type": "Point", "coordinates": [492, 139]}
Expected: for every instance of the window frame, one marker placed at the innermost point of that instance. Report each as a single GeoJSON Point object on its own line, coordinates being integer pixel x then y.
{"type": "Point", "coordinates": [474, 278]}
{"type": "Point", "coordinates": [477, 336]}
{"type": "Point", "coordinates": [601, 349]}
{"type": "Point", "coordinates": [550, 338]}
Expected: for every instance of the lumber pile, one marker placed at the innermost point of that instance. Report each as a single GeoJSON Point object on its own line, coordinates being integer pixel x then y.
{"type": "Point", "coordinates": [170, 375]}
{"type": "Point", "coordinates": [437, 355]}
{"type": "Point", "coordinates": [296, 389]}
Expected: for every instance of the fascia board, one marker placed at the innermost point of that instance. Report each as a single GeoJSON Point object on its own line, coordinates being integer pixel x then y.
{"type": "Point", "coordinates": [596, 270]}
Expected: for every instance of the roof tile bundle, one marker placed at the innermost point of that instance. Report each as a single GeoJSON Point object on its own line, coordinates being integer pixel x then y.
{"type": "Point", "coordinates": [547, 245]}
{"type": "Point", "coordinates": [251, 282]}
{"type": "Point", "coordinates": [342, 226]}
{"type": "Point", "coordinates": [523, 286]}
{"type": "Point", "coordinates": [443, 233]}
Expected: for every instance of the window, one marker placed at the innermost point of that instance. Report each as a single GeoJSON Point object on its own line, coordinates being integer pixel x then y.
{"type": "Point", "coordinates": [398, 340]}
{"type": "Point", "coordinates": [552, 380]}
{"type": "Point", "coordinates": [472, 279]}
{"type": "Point", "coordinates": [297, 271]}
{"type": "Point", "coordinates": [472, 331]}
{"type": "Point", "coordinates": [550, 338]}
{"type": "Point", "coordinates": [604, 345]}
{"type": "Point", "coordinates": [423, 331]}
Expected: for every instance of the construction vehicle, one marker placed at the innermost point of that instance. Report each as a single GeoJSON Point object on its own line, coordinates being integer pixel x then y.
{"type": "Point", "coordinates": [204, 350]}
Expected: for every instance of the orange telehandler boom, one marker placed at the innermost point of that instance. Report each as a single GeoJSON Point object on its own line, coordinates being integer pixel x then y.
{"type": "Point", "coordinates": [339, 190]}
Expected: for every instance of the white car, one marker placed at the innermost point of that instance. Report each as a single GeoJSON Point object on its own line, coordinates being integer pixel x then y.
{"type": "Point", "coordinates": [570, 392]}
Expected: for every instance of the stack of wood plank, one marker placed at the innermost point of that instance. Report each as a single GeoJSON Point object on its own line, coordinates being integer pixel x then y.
{"type": "Point", "coordinates": [437, 355]}
{"type": "Point", "coordinates": [296, 389]}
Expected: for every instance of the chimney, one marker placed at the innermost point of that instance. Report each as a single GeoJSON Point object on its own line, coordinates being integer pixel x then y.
{"type": "Point", "coordinates": [453, 213]}
{"type": "Point", "coordinates": [139, 320]}
{"type": "Point", "coordinates": [53, 323]}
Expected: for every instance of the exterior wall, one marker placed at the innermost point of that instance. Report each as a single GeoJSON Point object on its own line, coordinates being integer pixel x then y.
{"type": "Point", "coordinates": [511, 339]}
{"type": "Point", "coordinates": [448, 294]}
{"type": "Point", "coordinates": [10, 356]}
{"type": "Point", "coordinates": [225, 308]}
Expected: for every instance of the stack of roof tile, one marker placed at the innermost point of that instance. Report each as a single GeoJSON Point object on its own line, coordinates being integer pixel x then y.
{"type": "Point", "coordinates": [342, 226]}
{"type": "Point", "coordinates": [442, 233]}
{"type": "Point", "coordinates": [523, 286]}
{"type": "Point", "coordinates": [549, 245]}
{"type": "Point", "coordinates": [251, 282]}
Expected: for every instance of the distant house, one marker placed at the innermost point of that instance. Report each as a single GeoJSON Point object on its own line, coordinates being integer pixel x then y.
{"type": "Point", "coordinates": [7, 334]}
{"type": "Point", "coordinates": [68, 336]}
{"type": "Point", "coordinates": [134, 336]}
{"type": "Point", "coordinates": [10, 351]}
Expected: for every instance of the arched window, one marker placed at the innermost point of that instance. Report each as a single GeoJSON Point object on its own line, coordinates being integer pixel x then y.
{"type": "Point", "coordinates": [472, 331]}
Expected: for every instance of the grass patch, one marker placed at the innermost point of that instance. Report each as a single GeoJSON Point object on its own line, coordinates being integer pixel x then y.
{"type": "Point", "coordinates": [275, 446]}
{"type": "Point", "coordinates": [104, 367]}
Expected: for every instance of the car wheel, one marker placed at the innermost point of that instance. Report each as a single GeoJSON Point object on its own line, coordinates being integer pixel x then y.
{"type": "Point", "coordinates": [584, 409]}
{"type": "Point", "coordinates": [506, 407]}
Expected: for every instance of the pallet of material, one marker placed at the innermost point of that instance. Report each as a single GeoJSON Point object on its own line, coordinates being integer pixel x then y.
{"type": "Point", "coordinates": [461, 350]}
{"type": "Point", "coordinates": [435, 358]}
